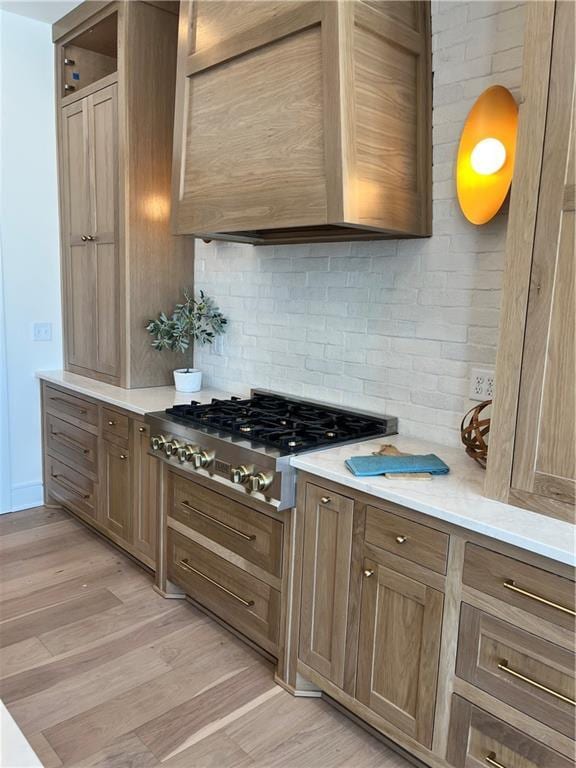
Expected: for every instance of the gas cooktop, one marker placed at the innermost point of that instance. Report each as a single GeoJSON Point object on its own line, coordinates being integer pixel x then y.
{"type": "Point", "coordinates": [287, 424]}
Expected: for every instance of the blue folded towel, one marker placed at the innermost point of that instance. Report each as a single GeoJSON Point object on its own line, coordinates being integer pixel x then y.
{"type": "Point", "coordinates": [368, 466]}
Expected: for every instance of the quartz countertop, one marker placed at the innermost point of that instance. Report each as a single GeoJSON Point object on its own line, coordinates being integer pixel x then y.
{"type": "Point", "coordinates": [140, 401]}
{"type": "Point", "coordinates": [456, 498]}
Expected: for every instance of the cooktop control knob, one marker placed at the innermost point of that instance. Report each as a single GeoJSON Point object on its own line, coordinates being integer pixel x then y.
{"type": "Point", "coordinates": [261, 481]}
{"type": "Point", "coordinates": [186, 453]}
{"type": "Point", "coordinates": [239, 474]}
{"type": "Point", "coordinates": [171, 447]}
{"type": "Point", "coordinates": [202, 459]}
{"type": "Point", "coordinates": [157, 442]}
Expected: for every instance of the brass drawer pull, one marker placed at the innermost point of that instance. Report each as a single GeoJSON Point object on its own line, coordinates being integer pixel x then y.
{"type": "Point", "coordinates": [511, 585]}
{"type": "Point", "coordinates": [230, 528]}
{"type": "Point", "coordinates": [123, 457]}
{"type": "Point", "coordinates": [368, 573]}
{"type": "Point", "coordinates": [186, 565]}
{"type": "Point", "coordinates": [491, 760]}
{"type": "Point", "coordinates": [83, 411]}
{"type": "Point", "coordinates": [503, 665]}
{"type": "Point", "coordinates": [141, 429]}
{"type": "Point", "coordinates": [69, 440]}
{"type": "Point", "coordinates": [401, 539]}
{"type": "Point", "coordinates": [71, 487]}
{"type": "Point", "coordinates": [111, 423]}
{"type": "Point", "coordinates": [325, 499]}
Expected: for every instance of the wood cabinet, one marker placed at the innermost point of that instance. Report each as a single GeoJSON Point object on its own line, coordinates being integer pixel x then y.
{"type": "Point", "coordinates": [90, 233]}
{"type": "Point", "coordinates": [457, 652]}
{"type": "Point", "coordinates": [115, 75]}
{"type": "Point", "coordinates": [115, 489]}
{"type": "Point", "coordinates": [400, 628]}
{"type": "Point", "coordinates": [304, 121]}
{"type": "Point", "coordinates": [328, 520]}
{"type": "Point", "coordinates": [97, 465]}
{"type": "Point", "coordinates": [532, 455]}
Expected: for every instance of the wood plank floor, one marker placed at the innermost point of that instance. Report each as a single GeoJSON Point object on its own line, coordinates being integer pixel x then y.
{"type": "Point", "coordinates": [101, 672]}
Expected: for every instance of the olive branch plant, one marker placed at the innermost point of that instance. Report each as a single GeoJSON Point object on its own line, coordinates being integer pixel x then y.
{"type": "Point", "coordinates": [194, 320]}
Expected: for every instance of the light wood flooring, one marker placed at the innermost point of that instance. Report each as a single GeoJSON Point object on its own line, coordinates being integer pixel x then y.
{"type": "Point", "coordinates": [101, 672]}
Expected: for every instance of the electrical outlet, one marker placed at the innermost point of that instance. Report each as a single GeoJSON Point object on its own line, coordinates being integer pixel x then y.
{"type": "Point", "coordinates": [42, 332]}
{"type": "Point", "coordinates": [482, 384]}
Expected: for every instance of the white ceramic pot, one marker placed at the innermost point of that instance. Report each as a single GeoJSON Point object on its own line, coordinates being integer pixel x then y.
{"type": "Point", "coordinates": [188, 380]}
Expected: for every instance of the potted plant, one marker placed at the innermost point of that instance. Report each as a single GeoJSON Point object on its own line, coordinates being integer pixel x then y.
{"type": "Point", "coordinates": [197, 320]}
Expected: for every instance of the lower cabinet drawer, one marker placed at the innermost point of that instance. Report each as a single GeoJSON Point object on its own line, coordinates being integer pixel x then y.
{"type": "Point", "coordinates": [248, 533]}
{"type": "Point", "coordinates": [246, 603]}
{"type": "Point", "coordinates": [480, 740]}
{"type": "Point", "coordinates": [72, 444]}
{"type": "Point", "coordinates": [528, 673]}
{"type": "Point", "coordinates": [71, 488]}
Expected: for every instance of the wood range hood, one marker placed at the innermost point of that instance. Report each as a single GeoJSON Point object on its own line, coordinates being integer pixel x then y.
{"type": "Point", "coordinates": [303, 122]}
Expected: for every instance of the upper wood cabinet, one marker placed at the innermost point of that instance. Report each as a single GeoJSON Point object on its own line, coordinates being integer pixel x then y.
{"type": "Point", "coordinates": [303, 121]}
{"type": "Point", "coordinates": [115, 75]}
{"type": "Point", "coordinates": [532, 453]}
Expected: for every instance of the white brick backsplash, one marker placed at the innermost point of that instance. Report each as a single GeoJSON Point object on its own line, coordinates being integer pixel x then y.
{"type": "Point", "coordinates": [389, 326]}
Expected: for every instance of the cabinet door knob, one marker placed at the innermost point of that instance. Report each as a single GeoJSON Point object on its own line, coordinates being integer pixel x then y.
{"type": "Point", "coordinates": [90, 237]}
{"type": "Point", "coordinates": [368, 572]}
{"type": "Point", "coordinates": [111, 423]}
{"type": "Point", "coordinates": [123, 456]}
{"type": "Point", "coordinates": [401, 539]}
{"type": "Point", "coordinates": [141, 429]}
{"type": "Point", "coordinates": [325, 499]}
{"type": "Point", "coordinates": [83, 238]}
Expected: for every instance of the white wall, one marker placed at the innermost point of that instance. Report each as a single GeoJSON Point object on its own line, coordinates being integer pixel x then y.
{"type": "Point", "coordinates": [28, 248]}
{"type": "Point", "coordinates": [391, 326]}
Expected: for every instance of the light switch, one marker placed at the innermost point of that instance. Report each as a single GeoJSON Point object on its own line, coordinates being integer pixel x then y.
{"type": "Point", "coordinates": [42, 332]}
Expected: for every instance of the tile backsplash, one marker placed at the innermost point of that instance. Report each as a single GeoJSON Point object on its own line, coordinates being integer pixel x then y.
{"type": "Point", "coordinates": [392, 326]}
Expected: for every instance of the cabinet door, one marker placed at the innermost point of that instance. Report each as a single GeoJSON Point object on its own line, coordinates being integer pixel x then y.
{"type": "Point", "coordinates": [400, 627]}
{"type": "Point", "coordinates": [103, 144]}
{"type": "Point", "coordinates": [146, 470]}
{"type": "Point", "coordinates": [116, 498]}
{"type": "Point", "coordinates": [325, 581]}
{"type": "Point", "coordinates": [77, 253]}
{"type": "Point", "coordinates": [544, 453]}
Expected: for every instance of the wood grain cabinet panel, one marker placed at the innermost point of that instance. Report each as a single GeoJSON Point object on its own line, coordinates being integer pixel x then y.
{"type": "Point", "coordinates": [70, 407]}
{"type": "Point", "coordinates": [72, 445]}
{"type": "Point", "coordinates": [519, 668]}
{"type": "Point", "coordinates": [303, 121]}
{"type": "Point", "coordinates": [398, 650]}
{"type": "Point", "coordinates": [245, 602]}
{"type": "Point", "coordinates": [115, 489]}
{"type": "Point", "coordinates": [544, 594]}
{"type": "Point", "coordinates": [242, 530]}
{"type": "Point", "coordinates": [477, 739]}
{"type": "Point", "coordinates": [71, 488]}
{"type": "Point", "coordinates": [145, 494]}
{"type": "Point", "coordinates": [328, 521]}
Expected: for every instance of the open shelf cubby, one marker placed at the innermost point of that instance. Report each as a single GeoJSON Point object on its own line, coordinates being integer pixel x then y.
{"type": "Point", "coordinates": [90, 56]}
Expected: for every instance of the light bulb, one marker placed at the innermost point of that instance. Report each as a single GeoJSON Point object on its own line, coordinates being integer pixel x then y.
{"type": "Point", "coordinates": [488, 156]}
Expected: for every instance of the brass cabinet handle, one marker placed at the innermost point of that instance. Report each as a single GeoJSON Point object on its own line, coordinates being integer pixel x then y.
{"type": "Point", "coordinates": [368, 572]}
{"type": "Point", "coordinates": [83, 411]}
{"type": "Point", "coordinates": [111, 423]}
{"type": "Point", "coordinates": [401, 539]}
{"type": "Point", "coordinates": [490, 758]}
{"type": "Point", "coordinates": [71, 487]}
{"type": "Point", "coordinates": [69, 440]}
{"type": "Point", "coordinates": [503, 665]}
{"type": "Point", "coordinates": [511, 585]}
{"type": "Point", "coordinates": [230, 528]}
{"type": "Point", "coordinates": [325, 499]}
{"type": "Point", "coordinates": [123, 456]}
{"type": "Point", "coordinates": [83, 238]}
{"type": "Point", "coordinates": [141, 429]}
{"type": "Point", "coordinates": [186, 565]}
{"type": "Point", "coordinates": [90, 237]}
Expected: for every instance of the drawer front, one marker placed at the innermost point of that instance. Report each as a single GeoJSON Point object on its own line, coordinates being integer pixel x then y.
{"type": "Point", "coordinates": [246, 603]}
{"type": "Point", "coordinates": [71, 488]}
{"type": "Point", "coordinates": [115, 425]}
{"type": "Point", "coordinates": [74, 445]}
{"type": "Point", "coordinates": [544, 594]}
{"type": "Point", "coordinates": [246, 532]}
{"type": "Point", "coordinates": [531, 674]}
{"type": "Point", "coordinates": [480, 740]}
{"type": "Point", "coordinates": [416, 542]}
{"type": "Point", "coordinates": [59, 402]}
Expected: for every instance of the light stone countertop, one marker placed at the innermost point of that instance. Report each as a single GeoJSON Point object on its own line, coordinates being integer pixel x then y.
{"type": "Point", "coordinates": [138, 401]}
{"type": "Point", "coordinates": [456, 498]}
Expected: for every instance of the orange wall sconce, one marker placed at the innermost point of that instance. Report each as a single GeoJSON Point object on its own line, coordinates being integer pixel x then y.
{"type": "Point", "coordinates": [486, 154]}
